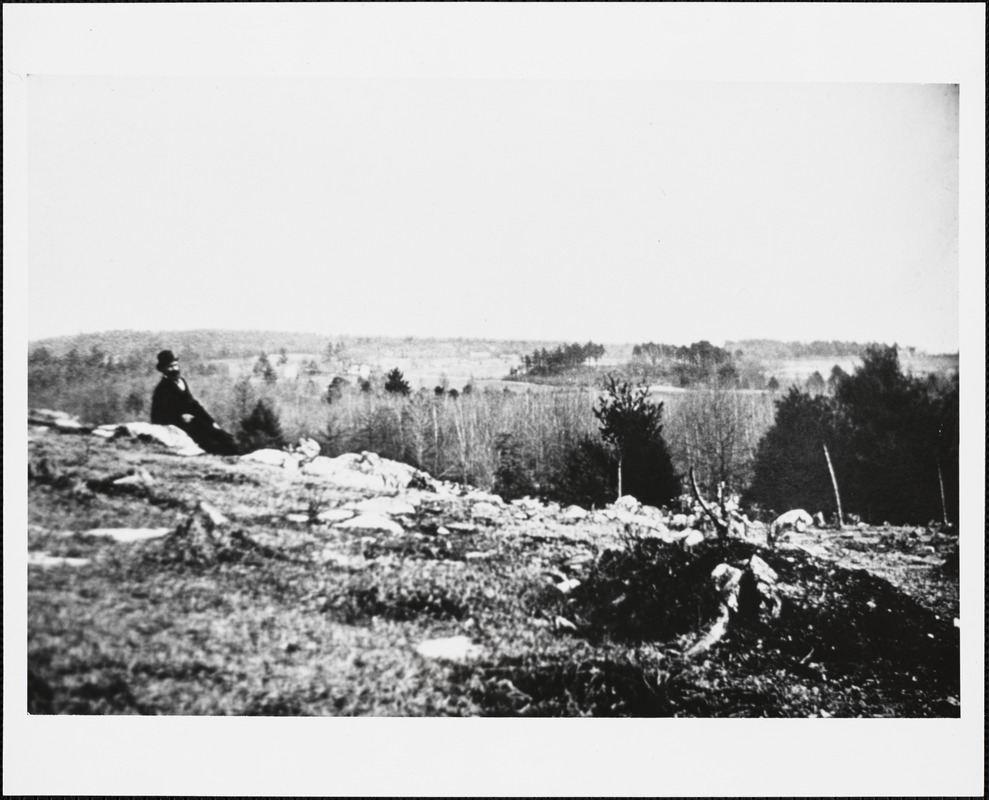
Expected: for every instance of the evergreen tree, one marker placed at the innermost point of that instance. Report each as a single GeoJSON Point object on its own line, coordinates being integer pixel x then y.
{"type": "Point", "coordinates": [893, 441]}
{"type": "Point", "coordinates": [815, 383]}
{"type": "Point", "coordinates": [335, 390]}
{"type": "Point", "coordinates": [895, 434]}
{"type": "Point", "coordinates": [262, 365]}
{"type": "Point", "coordinates": [514, 475]}
{"type": "Point", "coordinates": [395, 383]}
{"type": "Point", "coordinates": [260, 429]}
{"type": "Point", "coordinates": [587, 476]}
{"type": "Point", "coordinates": [790, 468]}
{"type": "Point", "coordinates": [632, 426]}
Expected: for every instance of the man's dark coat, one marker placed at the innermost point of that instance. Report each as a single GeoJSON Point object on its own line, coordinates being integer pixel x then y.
{"type": "Point", "coordinates": [170, 401]}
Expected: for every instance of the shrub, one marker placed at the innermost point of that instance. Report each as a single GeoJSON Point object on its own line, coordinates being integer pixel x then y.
{"type": "Point", "coordinates": [790, 468]}
{"type": "Point", "coordinates": [260, 429]}
{"type": "Point", "coordinates": [336, 388]}
{"type": "Point", "coordinates": [395, 382]}
{"type": "Point", "coordinates": [586, 476]}
{"type": "Point", "coordinates": [632, 425]}
{"type": "Point", "coordinates": [514, 476]}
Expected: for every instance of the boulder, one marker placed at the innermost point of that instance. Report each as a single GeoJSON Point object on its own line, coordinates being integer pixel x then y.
{"type": "Point", "coordinates": [797, 519]}
{"type": "Point", "coordinates": [170, 436]}
{"type": "Point", "coordinates": [485, 511]}
{"type": "Point", "coordinates": [626, 503]}
{"type": "Point", "coordinates": [307, 449]}
{"type": "Point", "coordinates": [692, 539]}
{"type": "Point", "coordinates": [573, 514]}
{"type": "Point", "coordinates": [341, 474]}
{"type": "Point", "coordinates": [367, 471]}
{"type": "Point", "coordinates": [648, 522]}
{"type": "Point", "coordinates": [274, 458]}
{"type": "Point", "coordinates": [477, 496]}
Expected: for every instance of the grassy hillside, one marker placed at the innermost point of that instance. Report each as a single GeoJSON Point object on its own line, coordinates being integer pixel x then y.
{"type": "Point", "coordinates": [281, 609]}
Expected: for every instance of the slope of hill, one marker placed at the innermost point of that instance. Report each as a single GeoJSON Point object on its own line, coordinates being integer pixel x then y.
{"type": "Point", "coordinates": [167, 585]}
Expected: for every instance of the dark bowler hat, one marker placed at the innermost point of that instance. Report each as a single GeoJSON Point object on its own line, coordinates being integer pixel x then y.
{"type": "Point", "coordinates": [165, 357]}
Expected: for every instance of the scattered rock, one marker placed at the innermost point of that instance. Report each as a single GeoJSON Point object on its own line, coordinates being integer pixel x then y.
{"type": "Point", "coordinates": [393, 506]}
{"type": "Point", "coordinates": [527, 504]}
{"type": "Point", "coordinates": [59, 420]}
{"type": "Point", "coordinates": [763, 578]}
{"type": "Point", "coordinates": [367, 471]}
{"type": "Point", "coordinates": [692, 539]}
{"type": "Point", "coordinates": [574, 514]}
{"type": "Point", "coordinates": [212, 513]}
{"type": "Point", "coordinates": [462, 527]}
{"type": "Point", "coordinates": [307, 449]}
{"type": "Point", "coordinates": [485, 511]}
{"type": "Point", "coordinates": [727, 580]}
{"type": "Point", "coordinates": [36, 559]}
{"type": "Point", "coordinates": [274, 458]}
{"type": "Point", "coordinates": [343, 560]}
{"type": "Point", "coordinates": [128, 535]}
{"type": "Point", "coordinates": [452, 648]}
{"type": "Point", "coordinates": [681, 521]}
{"type": "Point", "coordinates": [170, 436]}
{"type": "Point", "coordinates": [477, 496]}
{"type": "Point", "coordinates": [204, 538]}
{"type": "Point", "coordinates": [567, 586]}
{"type": "Point", "coordinates": [797, 519]}
{"type": "Point", "coordinates": [299, 518]}
{"type": "Point", "coordinates": [138, 477]}
{"type": "Point", "coordinates": [626, 503]}
{"type": "Point", "coordinates": [341, 474]}
{"type": "Point", "coordinates": [649, 523]}
{"type": "Point", "coordinates": [371, 522]}
{"type": "Point", "coordinates": [332, 515]}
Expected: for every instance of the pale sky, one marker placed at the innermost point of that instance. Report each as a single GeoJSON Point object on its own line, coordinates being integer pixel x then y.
{"type": "Point", "coordinates": [611, 210]}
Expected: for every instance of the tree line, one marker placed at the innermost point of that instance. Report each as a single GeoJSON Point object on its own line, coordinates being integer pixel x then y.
{"type": "Point", "coordinates": [892, 440]}
{"type": "Point", "coordinates": [565, 358]}
{"type": "Point", "coordinates": [772, 350]}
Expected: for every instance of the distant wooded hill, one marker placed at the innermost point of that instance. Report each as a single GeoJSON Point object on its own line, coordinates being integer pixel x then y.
{"type": "Point", "coordinates": [199, 346]}
{"type": "Point", "coordinates": [772, 350]}
{"type": "Point", "coordinates": [207, 345]}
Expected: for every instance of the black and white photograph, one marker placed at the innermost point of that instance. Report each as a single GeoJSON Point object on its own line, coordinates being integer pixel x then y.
{"type": "Point", "coordinates": [410, 362]}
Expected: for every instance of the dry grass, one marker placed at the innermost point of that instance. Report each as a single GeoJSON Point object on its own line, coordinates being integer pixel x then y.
{"type": "Point", "coordinates": [275, 628]}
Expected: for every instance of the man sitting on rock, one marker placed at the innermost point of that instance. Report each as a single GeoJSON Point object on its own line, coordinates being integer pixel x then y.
{"type": "Point", "coordinates": [173, 404]}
